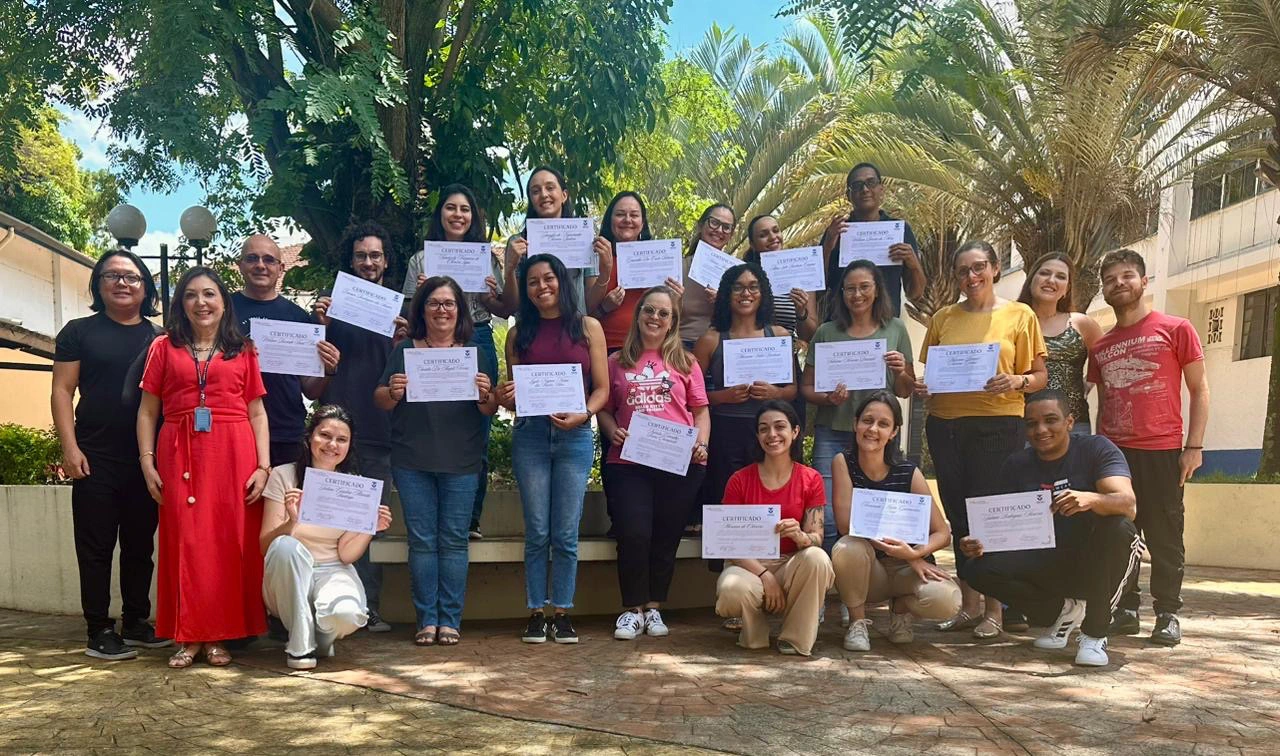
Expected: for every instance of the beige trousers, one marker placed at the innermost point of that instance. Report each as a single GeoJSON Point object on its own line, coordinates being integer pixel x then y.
{"type": "Point", "coordinates": [862, 579]}
{"type": "Point", "coordinates": [318, 603]}
{"type": "Point", "coordinates": [805, 577]}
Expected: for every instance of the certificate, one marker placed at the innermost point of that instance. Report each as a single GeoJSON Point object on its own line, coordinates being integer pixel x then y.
{"type": "Point", "coordinates": [859, 365]}
{"type": "Point", "coordinates": [569, 239]}
{"type": "Point", "coordinates": [1012, 522]}
{"type": "Point", "coordinates": [441, 375]}
{"type": "Point", "coordinates": [660, 444]}
{"type": "Point", "coordinates": [287, 348]}
{"type": "Point", "coordinates": [961, 367]}
{"type": "Point", "coordinates": [468, 263]}
{"type": "Point", "coordinates": [871, 241]}
{"type": "Point", "coordinates": [365, 304]}
{"type": "Point", "coordinates": [642, 264]}
{"type": "Point", "coordinates": [549, 389]}
{"type": "Point", "coordinates": [889, 514]}
{"type": "Point", "coordinates": [799, 268]}
{"type": "Point", "coordinates": [767, 359]}
{"type": "Point", "coordinates": [740, 531]}
{"type": "Point", "coordinates": [709, 265]}
{"type": "Point", "coordinates": [338, 500]}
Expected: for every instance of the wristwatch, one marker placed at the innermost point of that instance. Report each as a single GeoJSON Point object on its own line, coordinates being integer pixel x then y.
{"type": "Point", "coordinates": [1026, 381]}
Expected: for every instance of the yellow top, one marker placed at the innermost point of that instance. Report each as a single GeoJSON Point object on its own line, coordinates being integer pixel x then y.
{"type": "Point", "coordinates": [1011, 324]}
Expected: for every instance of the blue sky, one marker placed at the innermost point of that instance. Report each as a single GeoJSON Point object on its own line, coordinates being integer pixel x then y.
{"type": "Point", "coordinates": [690, 20]}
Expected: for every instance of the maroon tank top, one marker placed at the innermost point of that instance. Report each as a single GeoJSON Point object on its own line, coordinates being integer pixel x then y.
{"type": "Point", "coordinates": [552, 345]}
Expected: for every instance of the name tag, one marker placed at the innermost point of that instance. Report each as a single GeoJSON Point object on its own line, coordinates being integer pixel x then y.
{"type": "Point", "coordinates": [203, 420]}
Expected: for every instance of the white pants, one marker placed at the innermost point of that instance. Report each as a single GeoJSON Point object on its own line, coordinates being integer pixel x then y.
{"type": "Point", "coordinates": [318, 603]}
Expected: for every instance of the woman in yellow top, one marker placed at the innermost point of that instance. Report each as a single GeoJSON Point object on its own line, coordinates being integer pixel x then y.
{"type": "Point", "coordinates": [971, 433]}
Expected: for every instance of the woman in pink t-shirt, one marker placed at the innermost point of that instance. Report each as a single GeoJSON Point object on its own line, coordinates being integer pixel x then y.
{"type": "Point", "coordinates": [653, 375]}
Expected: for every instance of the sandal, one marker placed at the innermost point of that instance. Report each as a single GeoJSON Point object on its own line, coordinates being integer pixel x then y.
{"type": "Point", "coordinates": [217, 656]}
{"type": "Point", "coordinates": [183, 658]}
{"type": "Point", "coordinates": [426, 636]}
{"type": "Point", "coordinates": [733, 624]}
{"type": "Point", "coordinates": [448, 636]}
{"type": "Point", "coordinates": [960, 621]}
{"type": "Point", "coordinates": [987, 629]}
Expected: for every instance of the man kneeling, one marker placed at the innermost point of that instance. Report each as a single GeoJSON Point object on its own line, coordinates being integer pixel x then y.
{"type": "Point", "coordinates": [1080, 580]}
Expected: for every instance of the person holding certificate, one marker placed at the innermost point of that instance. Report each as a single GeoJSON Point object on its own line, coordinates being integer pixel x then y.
{"type": "Point", "coordinates": [207, 470]}
{"type": "Point", "coordinates": [714, 228]}
{"type": "Point", "coordinates": [309, 580]}
{"type": "Point", "coordinates": [552, 454]}
{"type": "Point", "coordinates": [798, 311]}
{"type": "Point", "coordinates": [795, 585]}
{"type": "Point", "coordinates": [437, 453]}
{"type": "Point", "coordinates": [1097, 550]}
{"type": "Point", "coordinates": [971, 433]}
{"type": "Point", "coordinates": [870, 571]}
{"type": "Point", "coordinates": [625, 220]}
{"type": "Point", "coordinates": [651, 375]}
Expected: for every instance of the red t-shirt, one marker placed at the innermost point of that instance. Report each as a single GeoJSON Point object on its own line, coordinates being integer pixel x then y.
{"type": "Point", "coordinates": [1140, 370]}
{"type": "Point", "coordinates": [655, 389]}
{"type": "Point", "coordinates": [803, 491]}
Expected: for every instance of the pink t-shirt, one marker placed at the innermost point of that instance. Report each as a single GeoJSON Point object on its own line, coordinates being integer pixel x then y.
{"type": "Point", "coordinates": [654, 389]}
{"type": "Point", "coordinates": [1140, 370]}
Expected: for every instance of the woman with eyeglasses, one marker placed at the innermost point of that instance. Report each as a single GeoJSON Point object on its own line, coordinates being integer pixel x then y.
{"type": "Point", "coordinates": [651, 375]}
{"type": "Point", "coordinates": [970, 434]}
{"type": "Point", "coordinates": [798, 311]}
{"type": "Point", "coordinates": [437, 453]}
{"type": "Point", "coordinates": [714, 228]}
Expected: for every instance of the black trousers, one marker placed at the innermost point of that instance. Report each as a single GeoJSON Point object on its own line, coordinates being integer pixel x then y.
{"type": "Point", "coordinates": [968, 453]}
{"type": "Point", "coordinates": [112, 505]}
{"type": "Point", "coordinates": [1094, 558]}
{"type": "Point", "coordinates": [649, 511]}
{"type": "Point", "coordinates": [1160, 520]}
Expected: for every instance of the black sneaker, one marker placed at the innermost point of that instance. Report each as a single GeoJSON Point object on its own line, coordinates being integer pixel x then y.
{"type": "Point", "coordinates": [376, 623]}
{"type": "Point", "coordinates": [1124, 622]}
{"type": "Point", "coordinates": [276, 630]}
{"type": "Point", "coordinates": [143, 635]}
{"type": "Point", "coordinates": [562, 629]}
{"type": "Point", "coordinates": [536, 632]}
{"type": "Point", "coordinates": [105, 644]}
{"type": "Point", "coordinates": [1167, 632]}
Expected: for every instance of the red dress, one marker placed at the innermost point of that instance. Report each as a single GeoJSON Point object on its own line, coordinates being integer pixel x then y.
{"type": "Point", "coordinates": [209, 581]}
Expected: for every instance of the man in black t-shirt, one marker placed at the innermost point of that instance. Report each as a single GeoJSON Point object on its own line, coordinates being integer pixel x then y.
{"type": "Point", "coordinates": [261, 267]}
{"type": "Point", "coordinates": [101, 356]}
{"type": "Point", "coordinates": [1081, 579]}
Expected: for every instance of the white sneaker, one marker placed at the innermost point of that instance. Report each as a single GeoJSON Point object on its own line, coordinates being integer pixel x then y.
{"type": "Point", "coordinates": [630, 624]}
{"type": "Point", "coordinates": [822, 614]}
{"type": "Point", "coordinates": [1057, 634]}
{"type": "Point", "coordinates": [306, 661]}
{"type": "Point", "coordinates": [844, 616]}
{"type": "Point", "coordinates": [1092, 652]}
{"type": "Point", "coordinates": [653, 624]}
{"type": "Point", "coordinates": [900, 629]}
{"type": "Point", "coordinates": [856, 638]}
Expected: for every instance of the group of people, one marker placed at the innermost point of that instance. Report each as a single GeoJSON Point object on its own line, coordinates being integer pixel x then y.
{"type": "Point", "coordinates": [180, 427]}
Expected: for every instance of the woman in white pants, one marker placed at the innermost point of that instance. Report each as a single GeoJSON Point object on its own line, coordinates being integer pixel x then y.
{"type": "Point", "coordinates": [308, 578]}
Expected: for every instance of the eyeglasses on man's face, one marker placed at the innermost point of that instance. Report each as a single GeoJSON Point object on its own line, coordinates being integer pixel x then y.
{"type": "Point", "coordinates": [253, 259]}
{"type": "Point", "coordinates": [858, 186]}
{"type": "Point", "coordinates": [129, 279]}
{"type": "Point", "coordinates": [369, 257]}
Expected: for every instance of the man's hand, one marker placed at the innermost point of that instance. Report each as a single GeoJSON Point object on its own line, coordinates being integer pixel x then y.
{"type": "Point", "coordinates": [1068, 503]}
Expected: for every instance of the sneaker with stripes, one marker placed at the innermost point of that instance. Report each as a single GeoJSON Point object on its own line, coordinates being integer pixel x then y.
{"type": "Point", "coordinates": [1057, 634]}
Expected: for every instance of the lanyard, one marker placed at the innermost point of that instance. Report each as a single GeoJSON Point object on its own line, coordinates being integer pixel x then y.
{"type": "Point", "coordinates": [202, 373]}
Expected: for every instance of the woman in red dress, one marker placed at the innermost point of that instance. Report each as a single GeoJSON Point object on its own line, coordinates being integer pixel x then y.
{"type": "Point", "coordinates": [207, 469]}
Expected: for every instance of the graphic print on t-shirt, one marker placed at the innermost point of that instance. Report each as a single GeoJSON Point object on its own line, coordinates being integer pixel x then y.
{"type": "Point", "coordinates": [647, 391]}
{"type": "Point", "coordinates": [1131, 373]}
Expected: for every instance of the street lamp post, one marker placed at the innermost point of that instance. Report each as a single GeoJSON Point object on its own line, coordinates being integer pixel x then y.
{"type": "Point", "coordinates": [127, 224]}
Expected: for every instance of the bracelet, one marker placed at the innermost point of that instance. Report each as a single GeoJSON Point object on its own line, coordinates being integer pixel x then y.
{"type": "Point", "coordinates": [763, 570]}
{"type": "Point", "coordinates": [265, 468]}
{"type": "Point", "coordinates": [146, 454]}
{"type": "Point", "coordinates": [1185, 448]}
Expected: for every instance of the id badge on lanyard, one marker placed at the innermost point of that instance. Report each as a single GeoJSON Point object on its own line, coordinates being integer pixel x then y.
{"type": "Point", "coordinates": [203, 420]}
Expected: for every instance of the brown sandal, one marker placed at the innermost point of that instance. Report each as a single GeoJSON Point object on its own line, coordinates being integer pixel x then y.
{"type": "Point", "coordinates": [217, 656]}
{"type": "Point", "coordinates": [448, 636]}
{"type": "Point", "coordinates": [426, 636]}
{"type": "Point", "coordinates": [182, 659]}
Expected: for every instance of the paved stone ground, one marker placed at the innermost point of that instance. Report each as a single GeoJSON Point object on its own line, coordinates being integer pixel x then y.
{"type": "Point", "coordinates": [946, 693]}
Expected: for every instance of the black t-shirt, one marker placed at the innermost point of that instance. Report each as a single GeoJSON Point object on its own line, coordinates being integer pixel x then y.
{"type": "Point", "coordinates": [286, 413]}
{"type": "Point", "coordinates": [364, 356]}
{"type": "Point", "coordinates": [892, 273]}
{"type": "Point", "coordinates": [108, 353]}
{"type": "Point", "coordinates": [434, 437]}
{"type": "Point", "coordinates": [1088, 460]}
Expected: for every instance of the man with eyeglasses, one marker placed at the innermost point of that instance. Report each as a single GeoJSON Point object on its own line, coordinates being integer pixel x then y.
{"type": "Point", "coordinates": [865, 191]}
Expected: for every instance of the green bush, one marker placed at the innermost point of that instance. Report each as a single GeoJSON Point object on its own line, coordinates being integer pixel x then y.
{"type": "Point", "coordinates": [29, 456]}
{"type": "Point", "coordinates": [501, 475]}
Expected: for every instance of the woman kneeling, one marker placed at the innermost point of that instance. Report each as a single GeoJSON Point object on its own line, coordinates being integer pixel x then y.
{"type": "Point", "coordinates": [309, 581]}
{"type": "Point", "coordinates": [878, 570]}
{"type": "Point", "coordinates": [796, 584]}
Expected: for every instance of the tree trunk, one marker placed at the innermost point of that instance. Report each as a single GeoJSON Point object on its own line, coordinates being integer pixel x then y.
{"type": "Point", "coordinates": [1270, 464]}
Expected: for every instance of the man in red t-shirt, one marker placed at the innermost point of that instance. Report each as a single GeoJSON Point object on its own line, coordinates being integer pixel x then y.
{"type": "Point", "coordinates": [1138, 367]}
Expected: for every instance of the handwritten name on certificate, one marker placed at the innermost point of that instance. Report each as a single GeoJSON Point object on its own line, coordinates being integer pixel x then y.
{"type": "Point", "coordinates": [799, 268]}
{"type": "Point", "coordinates": [766, 359]}
{"type": "Point", "coordinates": [569, 239]}
{"type": "Point", "coordinates": [642, 264]}
{"type": "Point", "coordinates": [709, 264]}
{"type": "Point", "coordinates": [287, 348]}
{"type": "Point", "coordinates": [871, 241]}
{"type": "Point", "coordinates": [1012, 522]}
{"type": "Point", "coordinates": [960, 367]}
{"type": "Point", "coordinates": [468, 263]}
{"type": "Point", "coordinates": [740, 531]}
{"type": "Point", "coordinates": [365, 304]}
{"type": "Point", "coordinates": [549, 389]}
{"type": "Point", "coordinates": [890, 514]}
{"type": "Point", "coordinates": [859, 365]}
{"type": "Point", "coordinates": [441, 375]}
{"type": "Point", "coordinates": [660, 444]}
{"type": "Point", "coordinates": [338, 500]}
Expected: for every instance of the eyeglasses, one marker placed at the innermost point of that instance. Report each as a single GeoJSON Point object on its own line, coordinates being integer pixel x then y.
{"type": "Point", "coordinates": [857, 186]}
{"type": "Point", "coordinates": [264, 259]}
{"type": "Point", "coordinates": [715, 224]}
{"type": "Point", "coordinates": [654, 312]}
{"type": "Point", "coordinates": [866, 289]}
{"type": "Point", "coordinates": [751, 288]}
{"type": "Point", "coordinates": [442, 304]}
{"type": "Point", "coordinates": [369, 257]}
{"type": "Point", "coordinates": [976, 269]}
{"type": "Point", "coordinates": [130, 279]}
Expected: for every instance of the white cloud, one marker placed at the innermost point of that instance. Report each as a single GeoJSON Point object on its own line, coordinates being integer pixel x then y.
{"type": "Point", "coordinates": [93, 139]}
{"type": "Point", "coordinates": [150, 243]}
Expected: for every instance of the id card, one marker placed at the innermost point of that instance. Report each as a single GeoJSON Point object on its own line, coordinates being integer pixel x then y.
{"type": "Point", "coordinates": [204, 420]}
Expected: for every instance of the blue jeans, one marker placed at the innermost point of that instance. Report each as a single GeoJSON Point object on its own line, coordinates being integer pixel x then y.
{"type": "Point", "coordinates": [827, 443]}
{"type": "Point", "coordinates": [488, 358]}
{"type": "Point", "coordinates": [437, 511]}
{"type": "Point", "coordinates": [551, 468]}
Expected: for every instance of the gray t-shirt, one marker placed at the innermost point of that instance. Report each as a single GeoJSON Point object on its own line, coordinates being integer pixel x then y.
{"type": "Point", "coordinates": [434, 437]}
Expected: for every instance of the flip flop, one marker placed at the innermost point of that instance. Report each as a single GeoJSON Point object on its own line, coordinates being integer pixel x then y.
{"type": "Point", "coordinates": [987, 629]}
{"type": "Point", "coordinates": [447, 636]}
{"type": "Point", "coordinates": [217, 656]}
{"type": "Point", "coordinates": [426, 636]}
